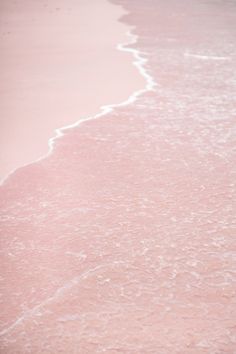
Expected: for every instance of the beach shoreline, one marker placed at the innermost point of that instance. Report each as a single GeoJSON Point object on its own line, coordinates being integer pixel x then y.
{"type": "Point", "coordinates": [34, 137]}
{"type": "Point", "coordinates": [122, 239]}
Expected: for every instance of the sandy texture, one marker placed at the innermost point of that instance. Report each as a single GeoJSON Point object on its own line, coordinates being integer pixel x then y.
{"type": "Point", "coordinates": [123, 240]}
{"type": "Point", "coordinates": [59, 64]}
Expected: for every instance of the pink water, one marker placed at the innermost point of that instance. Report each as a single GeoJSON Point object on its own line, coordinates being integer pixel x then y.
{"type": "Point", "coordinates": [123, 240]}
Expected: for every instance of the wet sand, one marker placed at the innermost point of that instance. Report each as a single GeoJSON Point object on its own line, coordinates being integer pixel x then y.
{"type": "Point", "coordinates": [59, 64]}
{"type": "Point", "coordinates": [123, 240]}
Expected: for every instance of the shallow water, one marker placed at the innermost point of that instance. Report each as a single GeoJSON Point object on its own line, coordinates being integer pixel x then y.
{"type": "Point", "coordinates": [123, 239]}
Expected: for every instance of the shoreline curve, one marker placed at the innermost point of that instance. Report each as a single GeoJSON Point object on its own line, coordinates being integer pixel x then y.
{"type": "Point", "coordinates": [139, 62]}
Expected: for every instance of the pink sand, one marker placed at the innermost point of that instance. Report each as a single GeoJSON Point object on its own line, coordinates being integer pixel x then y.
{"type": "Point", "coordinates": [59, 64]}
{"type": "Point", "coordinates": [123, 240]}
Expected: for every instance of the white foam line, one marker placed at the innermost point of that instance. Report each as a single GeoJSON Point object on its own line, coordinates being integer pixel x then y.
{"type": "Point", "coordinates": [206, 57]}
{"type": "Point", "coordinates": [60, 292]}
{"type": "Point", "coordinates": [139, 61]}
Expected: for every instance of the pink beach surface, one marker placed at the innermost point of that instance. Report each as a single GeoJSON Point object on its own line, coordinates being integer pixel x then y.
{"type": "Point", "coordinates": [123, 239]}
{"type": "Point", "coordinates": [59, 64]}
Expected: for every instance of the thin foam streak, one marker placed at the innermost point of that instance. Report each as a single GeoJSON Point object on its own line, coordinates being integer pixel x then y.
{"type": "Point", "coordinates": [60, 292]}
{"type": "Point", "coordinates": [206, 57]}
